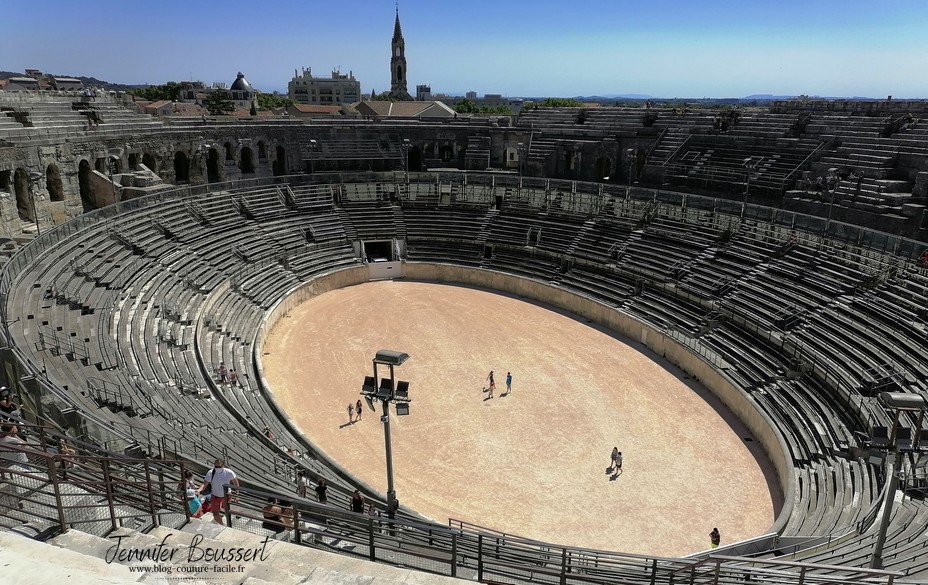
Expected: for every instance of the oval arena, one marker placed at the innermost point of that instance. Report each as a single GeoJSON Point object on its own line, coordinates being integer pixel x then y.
{"type": "Point", "coordinates": [750, 342]}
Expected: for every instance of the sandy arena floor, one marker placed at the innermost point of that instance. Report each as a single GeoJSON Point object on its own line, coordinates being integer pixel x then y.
{"type": "Point", "coordinates": [534, 462]}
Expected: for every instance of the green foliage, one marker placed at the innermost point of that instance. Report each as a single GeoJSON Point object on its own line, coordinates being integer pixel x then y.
{"type": "Point", "coordinates": [269, 101]}
{"type": "Point", "coordinates": [153, 93]}
{"type": "Point", "coordinates": [218, 103]}
{"type": "Point", "coordinates": [382, 97]}
{"type": "Point", "coordinates": [466, 106]}
{"type": "Point", "coordinates": [559, 103]}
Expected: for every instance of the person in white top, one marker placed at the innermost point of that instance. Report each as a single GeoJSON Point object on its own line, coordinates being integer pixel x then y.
{"type": "Point", "coordinates": [217, 478]}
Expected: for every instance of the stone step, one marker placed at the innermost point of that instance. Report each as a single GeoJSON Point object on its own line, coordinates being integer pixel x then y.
{"type": "Point", "coordinates": [18, 557]}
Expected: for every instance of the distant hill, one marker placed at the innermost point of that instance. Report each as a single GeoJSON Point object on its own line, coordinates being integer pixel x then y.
{"type": "Point", "coordinates": [87, 81]}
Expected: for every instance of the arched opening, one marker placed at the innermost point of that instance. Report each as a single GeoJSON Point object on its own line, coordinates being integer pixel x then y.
{"type": "Point", "coordinates": [446, 153]}
{"type": "Point", "coordinates": [415, 159]}
{"type": "Point", "coordinates": [212, 166]}
{"type": "Point", "coordinates": [181, 167]}
{"type": "Point", "coordinates": [248, 165]}
{"type": "Point", "coordinates": [280, 162]}
{"type": "Point", "coordinates": [149, 162]}
{"type": "Point", "coordinates": [133, 160]}
{"type": "Point", "coordinates": [230, 152]}
{"type": "Point", "coordinates": [53, 183]}
{"type": "Point", "coordinates": [429, 151]}
{"type": "Point", "coordinates": [399, 73]}
{"type": "Point", "coordinates": [88, 201]}
{"type": "Point", "coordinates": [23, 203]}
{"type": "Point", "coordinates": [262, 150]}
{"type": "Point", "coordinates": [603, 168]}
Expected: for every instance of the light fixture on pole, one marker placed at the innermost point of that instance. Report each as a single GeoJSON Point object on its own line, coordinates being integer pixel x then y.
{"type": "Point", "coordinates": [405, 146]}
{"type": "Point", "coordinates": [388, 390]}
{"type": "Point", "coordinates": [313, 149]}
{"type": "Point", "coordinates": [900, 442]}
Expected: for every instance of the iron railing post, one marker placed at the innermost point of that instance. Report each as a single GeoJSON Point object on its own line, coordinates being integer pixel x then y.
{"type": "Point", "coordinates": [454, 554]}
{"type": "Point", "coordinates": [563, 580]}
{"type": "Point", "coordinates": [153, 510]}
{"type": "Point", "coordinates": [59, 505]}
{"type": "Point", "coordinates": [372, 553]}
{"type": "Point", "coordinates": [108, 482]}
{"type": "Point", "coordinates": [228, 497]}
{"type": "Point", "coordinates": [480, 557]}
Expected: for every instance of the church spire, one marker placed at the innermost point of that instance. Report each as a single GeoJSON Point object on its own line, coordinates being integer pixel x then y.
{"type": "Point", "coordinates": [397, 30]}
{"type": "Point", "coordinates": [398, 90]}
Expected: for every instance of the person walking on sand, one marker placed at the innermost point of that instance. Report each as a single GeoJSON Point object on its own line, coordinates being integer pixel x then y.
{"type": "Point", "coordinates": [358, 409]}
{"type": "Point", "coordinates": [715, 538]}
{"type": "Point", "coordinates": [508, 382]}
{"type": "Point", "coordinates": [350, 413]}
{"type": "Point", "coordinates": [492, 384]}
{"type": "Point", "coordinates": [614, 457]}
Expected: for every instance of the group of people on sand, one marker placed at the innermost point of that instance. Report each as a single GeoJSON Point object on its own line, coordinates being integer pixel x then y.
{"type": "Point", "coordinates": [491, 385]}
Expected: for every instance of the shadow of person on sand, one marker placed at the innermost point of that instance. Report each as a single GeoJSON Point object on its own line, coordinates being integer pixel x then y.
{"type": "Point", "coordinates": [485, 398]}
{"type": "Point", "coordinates": [347, 424]}
{"type": "Point", "coordinates": [615, 475]}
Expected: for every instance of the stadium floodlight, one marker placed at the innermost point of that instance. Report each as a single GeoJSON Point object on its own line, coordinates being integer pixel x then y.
{"type": "Point", "coordinates": [388, 390]}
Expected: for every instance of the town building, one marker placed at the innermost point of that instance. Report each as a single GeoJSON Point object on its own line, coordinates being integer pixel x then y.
{"type": "Point", "coordinates": [324, 91]}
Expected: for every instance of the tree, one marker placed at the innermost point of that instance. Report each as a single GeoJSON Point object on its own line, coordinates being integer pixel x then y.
{"type": "Point", "coordinates": [217, 103]}
{"type": "Point", "coordinates": [153, 93]}
{"type": "Point", "coordinates": [269, 101]}
{"type": "Point", "coordinates": [559, 103]}
{"type": "Point", "coordinates": [466, 106]}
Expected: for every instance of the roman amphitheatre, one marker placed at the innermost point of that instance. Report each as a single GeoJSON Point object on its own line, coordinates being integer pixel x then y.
{"type": "Point", "coordinates": [675, 283]}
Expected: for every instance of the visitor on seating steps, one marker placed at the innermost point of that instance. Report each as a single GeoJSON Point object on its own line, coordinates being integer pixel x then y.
{"type": "Point", "coordinates": [217, 478]}
{"type": "Point", "coordinates": [357, 502]}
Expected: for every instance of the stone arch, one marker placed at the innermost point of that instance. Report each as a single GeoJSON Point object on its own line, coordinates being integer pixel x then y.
{"type": "Point", "coordinates": [53, 183]}
{"type": "Point", "coordinates": [23, 201]}
{"type": "Point", "coordinates": [181, 168]}
{"type": "Point", "coordinates": [603, 168]}
{"type": "Point", "coordinates": [399, 73]}
{"type": "Point", "coordinates": [212, 166]}
{"type": "Point", "coordinates": [230, 151]}
{"type": "Point", "coordinates": [280, 161]}
{"type": "Point", "coordinates": [414, 159]}
{"type": "Point", "coordinates": [149, 161]}
{"type": "Point", "coordinates": [247, 165]}
{"type": "Point", "coordinates": [446, 152]}
{"type": "Point", "coordinates": [262, 150]}
{"type": "Point", "coordinates": [133, 160]}
{"type": "Point", "coordinates": [88, 200]}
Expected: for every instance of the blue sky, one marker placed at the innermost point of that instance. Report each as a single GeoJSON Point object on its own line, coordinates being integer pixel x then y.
{"type": "Point", "coordinates": [669, 48]}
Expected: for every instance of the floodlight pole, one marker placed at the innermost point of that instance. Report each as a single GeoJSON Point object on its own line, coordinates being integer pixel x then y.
{"type": "Point", "coordinates": [876, 561]}
{"type": "Point", "coordinates": [388, 441]}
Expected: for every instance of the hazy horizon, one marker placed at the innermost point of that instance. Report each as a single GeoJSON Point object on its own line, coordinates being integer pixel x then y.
{"type": "Point", "coordinates": [715, 49]}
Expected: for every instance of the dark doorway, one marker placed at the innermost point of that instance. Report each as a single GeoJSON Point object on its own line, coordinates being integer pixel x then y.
{"type": "Point", "coordinates": [21, 186]}
{"type": "Point", "coordinates": [415, 159]}
{"type": "Point", "coordinates": [280, 162]}
{"type": "Point", "coordinates": [248, 165]}
{"type": "Point", "coordinates": [133, 160]}
{"type": "Point", "coordinates": [446, 153]}
{"type": "Point", "coordinates": [212, 166]}
{"type": "Point", "coordinates": [230, 152]}
{"type": "Point", "coordinates": [262, 150]}
{"type": "Point", "coordinates": [88, 201]}
{"type": "Point", "coordinates": [53, 183]}
{"type": "Point", "coordinates": [181, 168]}
{"type": "Point", "coordinates": [149, 161]}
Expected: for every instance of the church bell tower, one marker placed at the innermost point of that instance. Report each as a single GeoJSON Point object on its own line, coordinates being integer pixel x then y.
{"type": "Point", "coordinates": [398, 90]}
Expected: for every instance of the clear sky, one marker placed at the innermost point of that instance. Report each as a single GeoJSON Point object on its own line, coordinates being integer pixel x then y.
{"type": "Point", "coordinates": [664, 48]}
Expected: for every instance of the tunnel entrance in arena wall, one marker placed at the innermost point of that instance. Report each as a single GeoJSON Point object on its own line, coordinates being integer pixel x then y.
{"type": "Point", "coordinates": [415, 159]}
{"type": "Point", "coordinates": [149, 161]}
{"type": "Point", "coordinates": [280, 162]}
{"type": "Point", "coordinates": [21, 186]}
{"type": "Point", "coordinates": [53, 183]}
{"type": "Point", "coordinates": [212, 166]}
{"type": "Point", "coordinates": [181, 168]}
{"type": "Point", "coordinates": [88, 200]}
{"type": "Point", "coordinates": [247, 166]}
{"type": "Point", "coordinates": [603, 168]}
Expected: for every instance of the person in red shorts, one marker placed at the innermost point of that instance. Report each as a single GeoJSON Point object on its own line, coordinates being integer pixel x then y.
{"type": "Point", "coordinates": [216, 479]}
